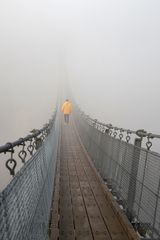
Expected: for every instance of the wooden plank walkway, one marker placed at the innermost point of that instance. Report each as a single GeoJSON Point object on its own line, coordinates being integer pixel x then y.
{"type": "Point", "coordinates": [81, 210]}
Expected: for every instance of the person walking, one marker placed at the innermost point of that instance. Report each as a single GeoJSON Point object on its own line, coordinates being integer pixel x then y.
{"type": "Point", "coordinates": [66, 109]}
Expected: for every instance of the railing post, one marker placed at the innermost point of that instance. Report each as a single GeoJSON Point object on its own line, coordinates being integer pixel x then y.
{"type": "Point", "coordinates": [156, 207]}
{"type": "Point", "coordinates": [133, 177]}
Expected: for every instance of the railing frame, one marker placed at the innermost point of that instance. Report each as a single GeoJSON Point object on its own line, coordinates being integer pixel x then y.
{"type": "Point", "coordinates": [147, 229]}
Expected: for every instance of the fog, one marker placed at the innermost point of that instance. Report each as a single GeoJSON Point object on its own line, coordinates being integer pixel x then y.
{"type": "Point", "coordinates": [28, 68]}
{"type": "Point", "coordinates": [107, 51]}
{"type": "Point", "coordinates": [114, 61]}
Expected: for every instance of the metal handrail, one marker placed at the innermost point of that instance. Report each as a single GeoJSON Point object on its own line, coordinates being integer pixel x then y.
{"type": "Point", "coordinates": [119, 132]}
{"type": "Point", "coordinates": [35, 139]}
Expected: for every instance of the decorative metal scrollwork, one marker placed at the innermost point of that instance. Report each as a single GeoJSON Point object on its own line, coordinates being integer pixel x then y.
{"type": "Point", "coordinates": [148, 144]}
{"type": "Point", "coordinates": [43, 136]}
{"type": "Point", "coordinates": [22, 154]}
{"type": "Point", "coordinates": [35, 139]}
{"type": "Point", "coordinates": [30, 147]}
{"type": "Point", "coordinates": [113, 130]}
{"type": "Point", "coordinates": [115, 134]}
{"type": "Point", "coordinates": [11, 165]}
{"type": "Point", "coordinates": [11, 162]}
{"type": "Point", "coordinates": [121, 134]}
{"type": "Point", "coordinates": [128, 137]}
{"type": "Point", "coordinates": [107, 131]}
{"type": "Point", "coordinates": [38, 143]}
{"type": "Point", "coordinates": [110, 132]}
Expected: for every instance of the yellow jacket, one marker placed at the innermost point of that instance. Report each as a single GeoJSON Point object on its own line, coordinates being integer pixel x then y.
{"type": "Point", "coordinates": [66, 107]}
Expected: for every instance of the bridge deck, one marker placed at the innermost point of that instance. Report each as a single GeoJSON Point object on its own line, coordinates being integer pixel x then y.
{"type": "Point", "coordinates": [81, 209]}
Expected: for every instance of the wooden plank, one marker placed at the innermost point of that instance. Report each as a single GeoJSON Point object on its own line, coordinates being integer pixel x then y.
{"type": "Point", "coordinates": [81, 209]}
{"type": "Point", "coordinates": [82, 227]}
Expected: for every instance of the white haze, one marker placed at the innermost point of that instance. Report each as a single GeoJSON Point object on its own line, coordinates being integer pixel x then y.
{"type": "Point", "coordinates": [114, 62]}
{"type": "Point", "coordinates": [108, 51]}
{"type": "Point", "coordinates": [28, 68]}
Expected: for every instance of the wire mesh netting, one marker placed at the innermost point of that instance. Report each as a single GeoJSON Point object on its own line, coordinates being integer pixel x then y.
{"type": "Point", "coordinates": [25, 203]}
{"type": "Point", "coordinates": [132, 172]}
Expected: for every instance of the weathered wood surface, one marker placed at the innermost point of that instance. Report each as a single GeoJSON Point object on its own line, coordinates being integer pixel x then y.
{"type": "Point", "coordinates": [81, 210]}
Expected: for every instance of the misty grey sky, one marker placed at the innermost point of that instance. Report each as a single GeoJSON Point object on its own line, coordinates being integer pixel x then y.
{"type": "Point", "coordinates": [115, 62]}
{"type": "Point", "coordinates": [28, 68]}
{"type": "Point", "coordinates": [109, 51]}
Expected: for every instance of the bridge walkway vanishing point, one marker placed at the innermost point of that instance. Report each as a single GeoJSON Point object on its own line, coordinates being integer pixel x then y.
{"type": "Point", "coordinates": [82, 206]}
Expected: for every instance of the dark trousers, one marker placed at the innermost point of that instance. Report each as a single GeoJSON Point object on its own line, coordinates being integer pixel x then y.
{"type": "Point", "coordinates": [66, 118]}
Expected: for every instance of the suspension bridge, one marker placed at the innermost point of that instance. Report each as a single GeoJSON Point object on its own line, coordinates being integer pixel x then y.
{"type": "Point", "coordinates": [84, 180]}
